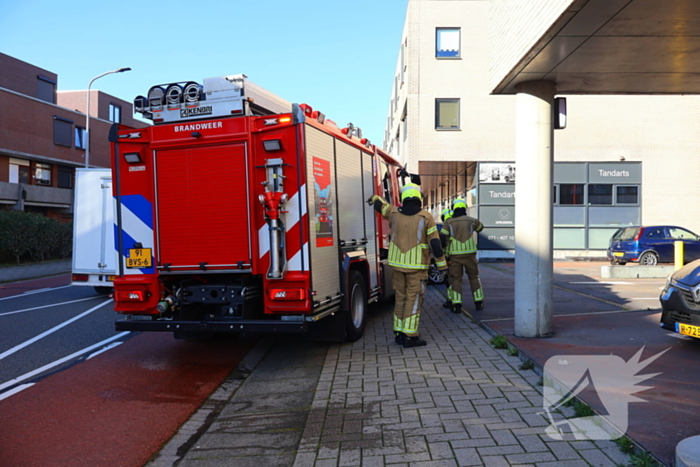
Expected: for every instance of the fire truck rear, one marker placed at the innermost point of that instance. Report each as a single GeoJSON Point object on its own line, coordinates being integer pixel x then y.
{"type": "Point", "coordinates": [238, 211]}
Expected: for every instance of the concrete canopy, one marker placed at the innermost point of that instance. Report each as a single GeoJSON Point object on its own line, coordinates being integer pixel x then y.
{"type": "Point", "coordinates": [615, 47]}
{"type": "Point", "coordinates": [445, 179]}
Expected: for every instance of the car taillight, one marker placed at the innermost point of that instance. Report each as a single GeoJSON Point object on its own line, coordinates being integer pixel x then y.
{"type": "Point", "coordinates": [287, 294]}
{"type": "Point", "coordinates": [80, 277]}
{"type": "Point", "coordinates": [638, 236]}
{"type": "Point", "coordinates": [130, 296]}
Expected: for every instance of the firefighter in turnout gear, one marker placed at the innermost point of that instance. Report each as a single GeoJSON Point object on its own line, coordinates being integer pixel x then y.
{"type": "Point", "coordinates": [461, 245]}
{"type": "Point", "coordinates": [413, 235]}
{"type": "Point", "coordinates": [446, 214]}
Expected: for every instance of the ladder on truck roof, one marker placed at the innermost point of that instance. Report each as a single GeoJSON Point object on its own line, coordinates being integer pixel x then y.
{"type": "Point", "coordinates": [224, 96]}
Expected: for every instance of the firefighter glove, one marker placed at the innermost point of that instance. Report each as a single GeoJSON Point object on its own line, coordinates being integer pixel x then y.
{"type": "Point", "coordinates": [374, 198]}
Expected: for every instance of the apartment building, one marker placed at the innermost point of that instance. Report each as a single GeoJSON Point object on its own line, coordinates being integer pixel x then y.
{"type": "Point", "coordinates": [621, 160]}
{"type": "Point", "coordinates": [42, 137]}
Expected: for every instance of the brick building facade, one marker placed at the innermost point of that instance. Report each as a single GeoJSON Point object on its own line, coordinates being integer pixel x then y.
{"type": "Point", "coordinates": [42, 137]}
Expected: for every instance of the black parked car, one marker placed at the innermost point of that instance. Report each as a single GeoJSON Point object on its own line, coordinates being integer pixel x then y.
{"type": "Point", "coordinates": [680, 301]}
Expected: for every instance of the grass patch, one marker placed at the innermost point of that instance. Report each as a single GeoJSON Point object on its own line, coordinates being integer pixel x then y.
{"type": "Point", "coordinates": [499, 342]}
{"type": "Point", "coordinates": [512, 351]}
{"type": "Point", "coordinates": [527, 365]}
{"type": "Point", "coordinates": [625, 445]}
{"type": "Point", "coordinates": [643, 459]}
{"type": "Point", "coordinates": [581, 409]}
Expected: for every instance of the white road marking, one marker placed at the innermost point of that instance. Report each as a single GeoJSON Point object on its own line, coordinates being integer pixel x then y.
{"type": "Point", "coordinates": [48, 306]}
{"type": "Point", "coordinates": [680, 336]}
{"type": "Point", "coordinates": [110, 346]}
{"type": "Point", "coordinates": [604, 283]}
{"type": "Point", "coordinates": [52, 330]}
{"type": "Point", "coordinates": [59, 361]}
{"type": "Point", "coordinates": [35, 291]}
{"type": "Point", "coordinates": [14, 391]}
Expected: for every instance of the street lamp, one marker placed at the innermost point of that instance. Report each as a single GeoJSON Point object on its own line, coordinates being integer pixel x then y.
{"type": "Point", "coordinates": [87, 113]}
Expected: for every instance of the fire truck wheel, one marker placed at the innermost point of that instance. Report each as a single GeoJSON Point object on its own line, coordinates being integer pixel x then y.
{"type": "Point", "coordinates": [356, 315]}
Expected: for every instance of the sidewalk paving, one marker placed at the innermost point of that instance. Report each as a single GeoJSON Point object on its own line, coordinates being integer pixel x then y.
{"type": "Point", "coordinates": [456, 402]}
{"type": "Point", "coordinates": [34, 270]}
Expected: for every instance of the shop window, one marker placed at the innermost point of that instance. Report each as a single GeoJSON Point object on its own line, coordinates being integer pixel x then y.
{"type": "Point", "coordinates": [569, 239]}
{"type": "Point", "coordinates": [62, 132]}
{"type": "Point", "coordinates": [627, 195]}
{"type": "Point", "coordinates": [570, 194]}
{"type": "Point", "coordinates": [19, 171]}
{"type": "Point", "coordinates": [115, 113]}
{"type": "Point", "coordinates": [42, 174]}
{"type": "Point", "coordinates": [447, 43]}
{"type": "Point", "coordinates": [600, 194]}
{"type": "Point", "coordinates": [599, 239]}
{"type": "Point", "coordinates": [79, 137]}
{"type": "Point", "coordinates": [569, 216]}
{"type": "Point", "coordinates": [613, 216]}
{"type": "Point", "coordinates": [446, 114]}
{"type": "Point", "coordinates": [65, 177]}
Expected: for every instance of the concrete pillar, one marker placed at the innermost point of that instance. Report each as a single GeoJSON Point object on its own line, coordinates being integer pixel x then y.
{"type": "Point", "coordinates": [533, 209]}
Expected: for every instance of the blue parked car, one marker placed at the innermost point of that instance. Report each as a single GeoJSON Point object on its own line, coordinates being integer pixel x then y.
{"type": "Point", "coordinates": [651, 245]}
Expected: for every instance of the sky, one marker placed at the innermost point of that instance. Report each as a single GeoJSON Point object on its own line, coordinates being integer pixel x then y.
{"type": "Point", "coordinates": [338, 57]}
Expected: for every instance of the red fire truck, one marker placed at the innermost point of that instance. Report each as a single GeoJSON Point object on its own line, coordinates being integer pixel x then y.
{"type": "Point", "coordinates": [217, 226]}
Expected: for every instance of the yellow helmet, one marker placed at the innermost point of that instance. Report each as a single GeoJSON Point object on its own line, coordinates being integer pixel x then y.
{"type": "Point", "coordinates": [446, 213]}
{"type": "Point", "coordinates": [459, 203]}
{"type": "Point", "coordinates": [411, 190]}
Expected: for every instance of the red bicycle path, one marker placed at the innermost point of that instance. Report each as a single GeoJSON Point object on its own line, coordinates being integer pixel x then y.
{"type": "Point", "coordinates": [116, 409]}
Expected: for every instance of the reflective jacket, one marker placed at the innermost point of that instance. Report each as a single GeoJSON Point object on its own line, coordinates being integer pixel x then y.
{"type": "Point", "coordinates": [459, 234]}
{"type": "Point", "coordinates": [412, 238]}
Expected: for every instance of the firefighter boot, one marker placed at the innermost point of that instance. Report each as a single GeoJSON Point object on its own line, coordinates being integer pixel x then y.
{"type": "Point", "coordinates": [413, 341]}
{"type": "Point", "coordinates": [447, 304]}
{"type": "Point", "coordinates": [457, 308]}
{"type": "Point", "coordinates": [479, 305]}
{"type": "Point", "coordinates": [399, 337]}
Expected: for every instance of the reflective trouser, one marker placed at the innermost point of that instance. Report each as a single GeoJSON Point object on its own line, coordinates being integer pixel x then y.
{"type": "Point", "coordinates": [409, 288]}
{"type": "Point", "coordinates": [459, 264]}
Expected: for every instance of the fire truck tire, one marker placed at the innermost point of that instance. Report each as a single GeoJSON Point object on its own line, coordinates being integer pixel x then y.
{"type": "Point", "coordinates": [103, 290]}
{"type": "Point", "coordinates": [356, 315]}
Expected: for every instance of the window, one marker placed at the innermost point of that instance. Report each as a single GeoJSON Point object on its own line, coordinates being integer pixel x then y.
{"type": "Point", "coordinates": [386, 182]}
{"type": "Point", "coordinates": [65, 177]}
{"type": "Point", "coordinates": [658, 232]}
{"type": "Point", "coordinates": [447, 43]}
{"type": "Point", "coordinates": [627, 195]}
{"type": "Point", "coordinates": [62, 132]}
{"type": "Point", "coordinates": [42, 174]}
{"type": "Point", "coordinates": [46, 89]}
{"type": "Point", "coordinates": [600, 194]}
{"type": "Point", "coordinates": [446, 114]}
{"type": "Point", "coordinates": [570, 194]}
{"type": "Point", "coordinates": [79, 137]}
{"type": "Point", "coordinates": [681, 234]}
{"type": "Point", "coordinates": [19, 171]}
{"type": "Point", "coordinates": [115, 113]}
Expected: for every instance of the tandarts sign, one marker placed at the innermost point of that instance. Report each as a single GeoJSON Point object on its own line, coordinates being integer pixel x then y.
{"type": "Point", "coordinates": [618, 174]}
{"type": "Point", "coordinates": [497, 194]}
